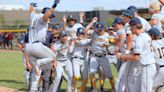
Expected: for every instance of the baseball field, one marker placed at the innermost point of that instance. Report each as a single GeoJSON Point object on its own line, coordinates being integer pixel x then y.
{"type": "Point", "coordinates": [12, 71]}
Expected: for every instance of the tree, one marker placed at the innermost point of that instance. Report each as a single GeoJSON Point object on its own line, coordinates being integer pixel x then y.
{"type": "Point", "coordinates": [2, 21]}
{"type": "Point", "coordinates": [18, 23]}
{"type": "Point", "coordinates": [108, 21]}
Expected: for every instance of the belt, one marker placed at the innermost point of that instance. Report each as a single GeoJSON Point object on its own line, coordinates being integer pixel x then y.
{"type": "Point", "coordinates": [161, 66]}
{"type": "Point", "coordinates": [99, 55]}
{"type": "Point", "coordinates": [38, 42]}
{"type": "Point", "coordinates": [110, 54]}
{"type": "Point", "coordinates": [62, 60]}
{"type": "Point", "coordinates": [35, 41]}
{"type": "Point", "coordinates": [78, 57]}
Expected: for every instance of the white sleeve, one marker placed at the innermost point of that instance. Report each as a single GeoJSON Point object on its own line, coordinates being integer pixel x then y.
{"type": "Point", "coordinates": [138, 46]}
{"type": "Point", "coordinates": [41, 20]}
{"type": "Point", "coordinates": [33, 15]}
{"type": "Point", "coordinates": [71, 48]}
{"type": "Point", "coordinates": [147, 25]}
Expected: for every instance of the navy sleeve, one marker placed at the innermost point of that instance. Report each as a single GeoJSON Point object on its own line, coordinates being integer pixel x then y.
{"type": "Point", "coordinates": [49, 39]}
{"type": "Point", "coordinates": [21, 39]}
{"type": "Point", "coordinates": [26, 37]}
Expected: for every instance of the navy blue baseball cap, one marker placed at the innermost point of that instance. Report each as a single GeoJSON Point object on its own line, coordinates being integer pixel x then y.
{"type": "Point", "coordinates": [133, 8]}
{"type": "Point", "coordinates": [71, 17]}
{"type": "Point", "coordinates": [99, 26]}
{"type": "Point", "coordinates": [128, 12]}
{"type": "Point", "coordinates": [80, 30]}
{"type": "Point", "coordinates": [110, 28]}
{"type": "Point", "coordinates": [63, 33]}
{"type": "Point", "coordinates": [117, 20]}
{"type": "Point", "coordinates": [56, 27]}
{"type": "Point", "coordinates": [154, 31]}
{"type": "Point", "coordinates": [135, 21]}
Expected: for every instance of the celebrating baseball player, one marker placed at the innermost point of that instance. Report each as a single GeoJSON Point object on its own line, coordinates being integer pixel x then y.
{"type": "Point", "coordinates": [99, 44]}
{"type": "Point", "coordinates": [158, 46]}
{"type": "Point", "coordinates": [37, 43]}
{"type": "Point", "coordinates": [63, 48]}
{"type": "Point", "coordinates": [142, 64]}
{"type": "Point", "coordinates": [80, 65]}
{"type": "Point", "coordinates": [54, 52]}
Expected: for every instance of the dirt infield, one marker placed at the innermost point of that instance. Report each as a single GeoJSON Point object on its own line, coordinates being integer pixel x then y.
{"type": "Point", "coordinates": [4, 89]}
{"type": "Point", "coordinates": [1, 50]}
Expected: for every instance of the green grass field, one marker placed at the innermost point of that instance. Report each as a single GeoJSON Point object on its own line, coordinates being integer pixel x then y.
{"type": "Point", "coordinates": [12, 71]}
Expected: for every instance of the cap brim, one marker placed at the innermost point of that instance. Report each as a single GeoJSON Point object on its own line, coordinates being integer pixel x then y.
{"type": "Point", "coordinates": [64, 35]}
{"type": "Point", "coordinates": [99, 28]}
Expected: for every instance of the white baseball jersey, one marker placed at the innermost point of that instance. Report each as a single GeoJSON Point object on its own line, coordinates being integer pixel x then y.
{"type": "Point", "coordinates": [158, 47]}
{"type": "Point", "coordinates": [73, 30]}
{"type": "Point", "coordinates": [41, 29]}
{"type": "Point", "coordinates": [62, 50]}
{"type": "Point", "coordinates": [122, 32]}
{"type": "Point", "coordinates": [80, 48]}
{"type": "Point", "coordinates": [142, 46]}
{"type": "Point", "coordinates": [158, 17]}
{"type": "Point", "coordinates": [127, 29]}
{"type": "Point", "coordinates": [98, 42]}
{"type": "Point", "coordinates": [33, 20]}
{"type": "Point", "coordinates": [145, 23]}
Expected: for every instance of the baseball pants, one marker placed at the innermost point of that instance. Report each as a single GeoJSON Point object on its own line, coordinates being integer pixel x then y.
{"type": "Point", "coordinates": [159, 79]}
{"type": "Point", "coordinates": [80, 68]}
{"type": "Point", "coordinates": [96, 62]}
{"type": "Point", "coordinates": [63, 66]}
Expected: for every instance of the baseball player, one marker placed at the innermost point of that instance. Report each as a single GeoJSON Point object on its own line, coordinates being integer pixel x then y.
{"type": "Point", "coordinates": [146, 25]}
{"type": "Point", "coordinates": [80, 65]}
{"type": "Point", "coordinates": [158, 46]}
{"type": "Point", "coordinates": [112, 47]}
{"type": "Point", "coordinates": [98, 57]}
{"type": "Point", "coordinates": [72, 25]}
{"type": "Point", "coordinates": [63, 48]}
{"type": "Point", "coordinates": [56, 29]}
{"type": "Point", "coordinates": [111, 56]}
{"type": "Point", "coordinates": [36, 47]}
{"type": "Point", "coordinates": [21, 43]}
{"type": "Point", "coordinates": [157, 16]}
{"type": "Point", "coordinates": [118, 25]}
{"type": "Point", "coordinates": [127, 15]}
{"type": "Point", "coordinates": [142, 68]}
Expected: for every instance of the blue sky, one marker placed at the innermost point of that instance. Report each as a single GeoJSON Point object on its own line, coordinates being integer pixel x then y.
{"type": "Point", "coordinates": [81, 5]}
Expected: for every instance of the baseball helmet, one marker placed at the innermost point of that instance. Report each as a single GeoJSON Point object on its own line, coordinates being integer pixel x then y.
{"type": "Point", "coordinates": [80, 30]}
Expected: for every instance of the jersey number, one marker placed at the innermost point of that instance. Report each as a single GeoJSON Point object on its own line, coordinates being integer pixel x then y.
{"type": "Point", "coordinates": [161, 52]}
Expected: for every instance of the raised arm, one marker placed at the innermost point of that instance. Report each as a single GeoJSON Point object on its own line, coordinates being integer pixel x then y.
{"type": "Point", "coordinates": [31, 8]}
{"type": "Point", "coordinates": [64, 19]}
{"type": "Point", "coordinates": [94, 20]}
{"type": "Point", "coordinates": [81, 14]}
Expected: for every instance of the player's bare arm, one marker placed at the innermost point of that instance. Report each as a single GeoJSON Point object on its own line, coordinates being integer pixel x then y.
{"type": "Point", "coordinates": [64, 19]}
{"type": "Point", "coordinates": [94, 20]}
{"type": "Point", "coordinates": [123, 57]}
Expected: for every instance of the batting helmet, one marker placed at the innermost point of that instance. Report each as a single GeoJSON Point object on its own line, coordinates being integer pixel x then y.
{"type": "Point", "coordinates": [80, 30]}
